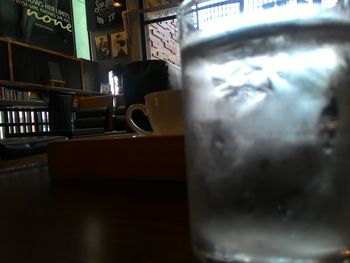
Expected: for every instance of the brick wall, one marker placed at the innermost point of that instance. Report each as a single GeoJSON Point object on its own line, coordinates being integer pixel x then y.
{"type": "Point", "coordinates": [163, 41]}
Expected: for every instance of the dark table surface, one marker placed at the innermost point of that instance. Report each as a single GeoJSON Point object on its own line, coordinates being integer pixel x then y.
{"type": "Point", "coordinates": [92, 221]}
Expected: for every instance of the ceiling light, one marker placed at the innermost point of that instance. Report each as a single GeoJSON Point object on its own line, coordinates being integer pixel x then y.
{"type": "Point", "coordinates": [117, 4]}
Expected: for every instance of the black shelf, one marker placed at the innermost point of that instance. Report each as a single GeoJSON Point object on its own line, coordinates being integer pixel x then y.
{"type": "Point", "coordinates": [22, 103]}
{"type": "Point", "coordinates": [45, 88]}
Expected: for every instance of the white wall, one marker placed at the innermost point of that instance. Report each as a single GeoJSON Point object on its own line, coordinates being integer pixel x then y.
{"type": "Point", "coordinates": [80, 29]}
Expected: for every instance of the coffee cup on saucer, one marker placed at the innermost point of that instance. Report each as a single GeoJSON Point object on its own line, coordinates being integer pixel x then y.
{"type": "Point", "coordinates": [164, 111]}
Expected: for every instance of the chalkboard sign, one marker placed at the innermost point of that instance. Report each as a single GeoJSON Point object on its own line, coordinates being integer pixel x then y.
{"type": "Point", "coordinates": [101, 14]}
{"type": "Point", "coordinates": [43, 23]}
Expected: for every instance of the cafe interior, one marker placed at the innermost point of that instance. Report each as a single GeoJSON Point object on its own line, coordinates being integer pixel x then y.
{"type": "Point", "coordinates": [77, 183]}
{"type": "Point", "coordinates": [92, 145]}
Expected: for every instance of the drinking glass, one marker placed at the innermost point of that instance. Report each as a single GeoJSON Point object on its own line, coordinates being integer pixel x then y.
{"type": "Point", "coordinates": [267, 129]}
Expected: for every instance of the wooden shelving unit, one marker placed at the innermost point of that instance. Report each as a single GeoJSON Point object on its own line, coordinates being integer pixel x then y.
{"type": "Point", "coordinates": [41, 88]}
{"type": "Point", "coordinates": [25, 68]}
{"type": "Point", "coordinates": [20, 62]}
{"type": "Point", "coordinates": [17, 118]}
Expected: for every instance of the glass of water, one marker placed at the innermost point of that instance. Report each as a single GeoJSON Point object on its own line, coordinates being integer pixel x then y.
{"type": "Point", "coordinates": [267, 112]}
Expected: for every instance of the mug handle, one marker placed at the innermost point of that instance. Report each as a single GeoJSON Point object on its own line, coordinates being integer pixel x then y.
{"type": "Point", "coordinates": [130, 121]}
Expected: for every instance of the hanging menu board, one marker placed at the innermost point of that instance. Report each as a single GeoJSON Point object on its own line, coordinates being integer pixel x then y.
{"type": "Point", "coordinates": [43, 23]}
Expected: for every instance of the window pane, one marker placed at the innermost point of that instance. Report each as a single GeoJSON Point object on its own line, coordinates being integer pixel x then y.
{"type": "Point", "coordinates": [162, 37]}
{"type": "Point", "coordinates": [160, 13]}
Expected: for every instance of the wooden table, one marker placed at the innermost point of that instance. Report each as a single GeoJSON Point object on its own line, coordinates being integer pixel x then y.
{"type": "Point", "coordinates": [121, 156]}
{"type": "Point", "coordinates": [92, 221]}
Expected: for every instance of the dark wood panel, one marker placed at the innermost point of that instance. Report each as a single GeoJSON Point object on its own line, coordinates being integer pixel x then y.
{"type": "Point", "coordinates": [91, 76]}
{"type": "Point", "coordinates": [4, 64]}
{"type": "Point", "coordinates": [121, 156]}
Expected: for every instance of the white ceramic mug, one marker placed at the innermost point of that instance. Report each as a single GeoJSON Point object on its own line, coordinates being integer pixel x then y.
{"type": "Point", "coordinates": [164, 111]}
